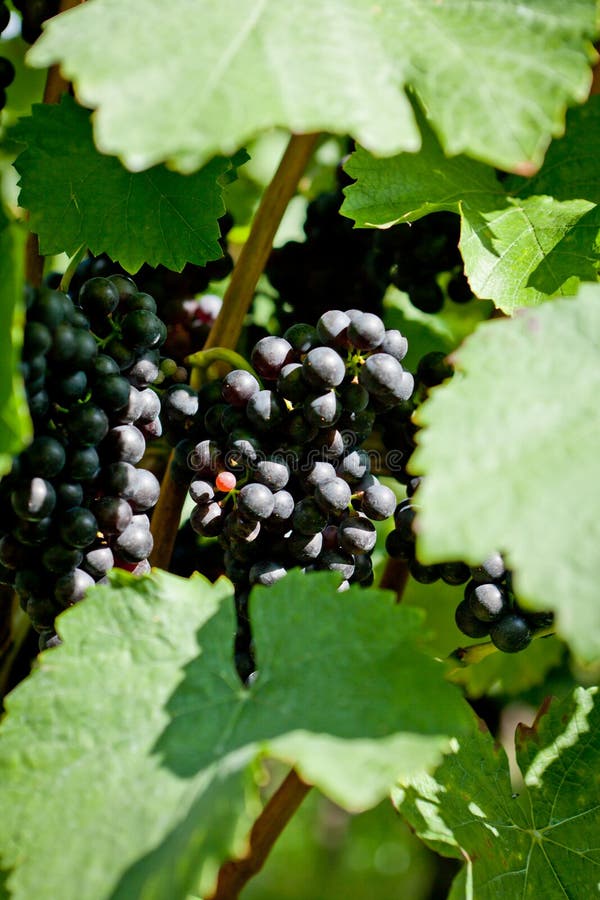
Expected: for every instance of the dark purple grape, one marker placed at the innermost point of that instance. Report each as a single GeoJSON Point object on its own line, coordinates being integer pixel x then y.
{"type": "Point", "coordinates": [72, 587]}
{"type": "Point", "coordinates": [98, 562]}
{"type": "Point", "coordinates": [98, 297]}
{"type": "Point", "coordinates": [322, 411]}
{"type": "Point", "coordinates": [511, 633]}
{"type": "Point", "coordinates": [308, 517]}
{"type": "Point", "coordinates": [135, 542]}
{"type": "Point", "coordinates": [357, 534]}
{"type": "Point", "coordinates": [269, 355]}
{"type": "Point", "coordinates": [33, 499]}
{"type": "Point", "coordinates": [238, 386]}
{"type": "Point", "coordinates": [488, 602]}
{"type": "Point", "coordinates": [266, 573]}
{"type": "Point", "coordinates": [395, 344]}
{"type": "Point", "coordinates": [256, 502]}
{"type": "Point", "coordinates": [302, 337]}
{"type": "Point", "coordinates": [366, 331]}
{"type": "Point", "coordinates": [333, 495]}
{"type": "Point", "coordinates": [124, 443]}
{"type": "Point", "coordinates": [468, 623]}
{"type": "Point", "coordinates": [324, 368]}
{"type": "Point", "coordinates": [146, 491]}
{"type": "Point", "coordinates": [274, 473]}
{"type": "Point", "coordinates": [378, 502]}
{"type": "Point", "coordinates": [491, 569]}
{"type": "Point", "coordinates": [265, 410]}
{"type": "Point", "coordinates": [60, 559]}
{"type": "Point", "coordinates": [305, 548]}
{"type": "Point", "coordinates": [207, 519]}
{"type": "Point", "coordinates": [87, 425]}
{"type": "Point", "coordinates": [45, 457]}
{"type": "Point", "coordinates": [77, 527]}
{"type": "Point", "coordinates": [332, 327]}
{"type": "Point", "coordinates": [113, 515]}
{"type": "Point", "coordinates": [337, 561]}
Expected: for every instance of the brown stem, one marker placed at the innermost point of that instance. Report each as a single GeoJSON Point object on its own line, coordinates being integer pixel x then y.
{"type": "Point", "coordinates": [166, 516]}
{"type": "Point", "coordinates": [235, 873]}
{"type": "Point", "coordinates": [395, 577]}
{"type": "Point", "coordinates": [253, 257]}
{"type": "Point", "coordinates": [226, 330]}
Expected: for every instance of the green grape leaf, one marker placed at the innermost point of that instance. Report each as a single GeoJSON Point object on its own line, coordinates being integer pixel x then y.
{"type": "Point", "coordinates": [543, 844]}
{"type": "Point", "coordinates": [494, 77]}
{"type": "Point", "coordinates": [516, 436]}
{"type": "Point", "coordinates": [77, 196]}
{"type": "Point", "coordinates": [521, 242]}
{"type": "Point", "coordinates": [139, 725]}
{"type": "Point", "coordinates": [15, 424]}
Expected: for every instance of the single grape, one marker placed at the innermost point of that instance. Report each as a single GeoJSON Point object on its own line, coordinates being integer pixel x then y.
{"type": "Point", "coordinates": [113, 515]}
{"type": "Point", "coordinates": [124, 443]}
{"type": "Point", "coordinates": [225, 481]}
{"type": "Point", "coordinates": [357, 534]}
{"type": "Point", "coordinates": [332, 327]}
{"type": "Point", "coordinates": [45, 457]}
{"type": "Point", "coordinates": [488, 602]}
{"type": "Point", "coordinates": [324, 368]}
{"type": "Point", "coordinates": [468, 623]}
{"type": "Point", "coordinates": [77, 527]}
{"type": "Point", "coordinates": [333, 495]}
{"type": "Point", "coordinates": [33, 499]}
{"type": "Point", "coordinates": [135, 542]}
{"type": "Point", "coordinates": [511, 633]}
{"type": "Point", "coordinates": [265, 410]}
{"type": "Point", "coordinates": [256, 501]}
{"type": "Point", "coordinates": [98, 297]}
{"type": "Point", "coordinates": [266, 573]}
{"type": "Point", "coordinates": [207, 519]}
{"type": "Point", "coordinates": [238, 386]}
{"type": "Point", "coordinates": [322, 411]}
{"type": "Point", "coordinates": [269, 355]}
{"type": "Point", "coordinates": [366, 331]}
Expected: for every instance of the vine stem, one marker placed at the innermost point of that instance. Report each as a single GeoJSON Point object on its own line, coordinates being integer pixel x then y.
{"type": "Point", "coordinates": [395, 577]}
{"type": "Point", "coordinates": [226, 330]}
{"type": "Point", "coordinates": [204, 358]}
{"type": "Point", "coordinates": [235, 873]}
{"type": "Point", "coordinates": [467, 656]}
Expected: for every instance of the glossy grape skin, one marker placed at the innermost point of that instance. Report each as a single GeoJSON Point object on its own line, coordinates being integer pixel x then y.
{"type": "Point", "coordinates": [511, 633]}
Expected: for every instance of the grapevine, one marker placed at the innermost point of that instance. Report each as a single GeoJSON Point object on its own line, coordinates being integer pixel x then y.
{"type": "Point", "coordinates": [298, 433]}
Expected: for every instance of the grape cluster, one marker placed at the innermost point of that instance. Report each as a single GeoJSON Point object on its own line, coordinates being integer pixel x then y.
{"type": "Point", "coordinates": [77, 504]}
{"type": "Point", "coordinates": [33, 14]}
{"type": "Point", "coordinates": [412, 257]}
{"type": "Point", "coordinates": [7, 70]}
{"type": "Point", "coordinates": [182, 298]}
{"type": "Point", "coordinates": [490, 607]}
{"type": "Point", "coordinates": [332, 267]}
{"type": "Point", "coordinates": [277, 469]}
{"type": "Point", "coordinates": [338, 264]}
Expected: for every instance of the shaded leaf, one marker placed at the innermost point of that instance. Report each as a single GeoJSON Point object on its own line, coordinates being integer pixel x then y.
{"type": "Point", "coordinates": [523, 460]}
{"type": "Point", "coordinates": [77, 196]}
{"type": "Point", "coordinates": [494, 77]}
{"type": "Point", "coordinates": [139, 725]}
